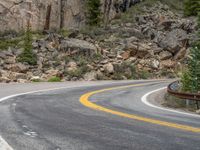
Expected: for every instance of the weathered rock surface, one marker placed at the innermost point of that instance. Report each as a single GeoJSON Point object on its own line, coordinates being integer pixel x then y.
{"type": "Point", "coordinates": [174, 40]}
{"type": "Point", "coordinates": [81, 45]}
{"type": "Point", "coordinates": [14, 14]}
{"type": "Point", "coordinates": [152, 46]}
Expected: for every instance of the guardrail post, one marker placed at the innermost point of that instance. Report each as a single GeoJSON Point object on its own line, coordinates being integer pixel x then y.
{"type": "Point", "coordinates": [197, 103]}
{"type": "Point", "coordinates": [189, 97]}
{"type": "Point", "coordinates": [187, 103]}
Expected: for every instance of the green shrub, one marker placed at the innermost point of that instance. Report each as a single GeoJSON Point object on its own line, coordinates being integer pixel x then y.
{"type": "Point", "coordinates": [36, 80]}
{"type": "Point", "coordinates": [6, 43]}
{"type": "Point", "coordinates": [191, 7]}
{"type": "Point", "coordinates": [185, 80]}
{"type": "Point", "coordinates": [191, 78]}
{"type": "Point", "coordinates": [64, 32]}
{"type": "Point", "coordinates": [125, 69]}
{"type": "Point", "coordinates": [54, 79]}
{"type": "Point", "coordinates": [27, 55]}
{"type": "Point", "coordinates": [93, 13]}
{"type": "Point", "coordinates": [8, 33]}
{"type": "Point", "coordinates": [174, 4]}
{"type": "Point", "coordinates": [79, 72]}
{"type": "Point", "coordinates": [144, 74]}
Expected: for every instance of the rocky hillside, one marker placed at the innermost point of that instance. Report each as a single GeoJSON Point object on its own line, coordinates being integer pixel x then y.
{"type": "Point", "coordinates": [148, 41]}
{"type": "Point", "coordinates": [52, 14]}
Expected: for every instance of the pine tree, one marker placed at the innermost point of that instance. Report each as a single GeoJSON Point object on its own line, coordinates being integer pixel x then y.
{"type": "Point", "coordinates": [191, 7]}
{"type": "Point", "coordinates": [198, 21]}
{"type": "Point", "coordinates": [93, 12]}
{"type": "Point", "coordinates": [194, 69]}
{"type": "Point", "coordinates": [27, 55]}
{"type": "Point", "coordinates": [191, 78]}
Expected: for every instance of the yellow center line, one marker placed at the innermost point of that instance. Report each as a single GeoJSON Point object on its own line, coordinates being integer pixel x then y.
{"type": "Point", "coordinates": [84, 99]}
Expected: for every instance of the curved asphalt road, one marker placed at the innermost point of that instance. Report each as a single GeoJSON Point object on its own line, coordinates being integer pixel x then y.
{"type": "Point", "coordinates": [56, 120]}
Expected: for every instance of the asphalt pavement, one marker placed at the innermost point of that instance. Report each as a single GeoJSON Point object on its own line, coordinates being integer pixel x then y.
{"type": "Point", "coordinates": [56, 120]}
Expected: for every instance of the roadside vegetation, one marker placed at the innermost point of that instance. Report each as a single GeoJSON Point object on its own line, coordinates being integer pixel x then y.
{"type": "Point", "coordinates": [12, 39]}
{"type": "Point", "coordinates": [139, 8]}
{"type": "Point", "coordinates": [54, 79]}
{"type": "Point", "coordinates": [191, 75]}
{"type": "Point", "coordinates": [28, 56]}
{"type": "Point", "coordinates": [93, 12]}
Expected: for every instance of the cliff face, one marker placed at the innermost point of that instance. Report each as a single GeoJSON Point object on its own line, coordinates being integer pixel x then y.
{"type": "Point", "coordinates": [52, 14]}
{"type": "Point", "coordinates": [14, 14]}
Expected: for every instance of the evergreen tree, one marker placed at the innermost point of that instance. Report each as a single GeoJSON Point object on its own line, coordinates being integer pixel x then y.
{"type": "Point", "coordinates": [191, 78]}
{"type": "Point", "coordinates": [191, 7]}
{"type": "Point", "coordinates": [93, 12]}
{"type": "Point", "coordinates": [185, 80]}
{"type": "Point", "coordinates": [194, 69]}
{"type": "Point", "coordinates": [27, 55]}
{"type": "Point", "coordinates": [198, 28]}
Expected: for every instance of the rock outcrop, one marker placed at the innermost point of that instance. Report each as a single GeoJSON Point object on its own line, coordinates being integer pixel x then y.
{"type": "Point", "coordinates": [52, 14]}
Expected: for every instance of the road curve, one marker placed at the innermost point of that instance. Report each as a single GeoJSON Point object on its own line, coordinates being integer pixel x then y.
{"type": "Point", "coordinates": [56, 120]}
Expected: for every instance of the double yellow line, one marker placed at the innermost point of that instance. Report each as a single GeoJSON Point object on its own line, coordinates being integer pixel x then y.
{"type": "Point", "coordinates": [84, 99]}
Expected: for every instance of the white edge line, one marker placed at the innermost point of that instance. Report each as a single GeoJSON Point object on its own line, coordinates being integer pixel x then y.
{"type": "Point", "coordinates": [146, 102]}
{"type": "Point", "coordinates": [4, 145]}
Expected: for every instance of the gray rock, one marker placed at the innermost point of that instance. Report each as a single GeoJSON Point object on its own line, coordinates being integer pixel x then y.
{"type": "Point", "coordinates": [90, 76]}
{"type": "Point", "coordinates": [22, 81]}
{"type": "Point", "coordinates": [72, 66]}
{"type": "Point", "coordinates": [165, 55]}
{"type": "Point", "coordinates": [174, 40]}
{"type": "Point", "coordinates": [155, 64]}
{"type": "Point", "coordinates": [2, 55]}
{"type": "Point", "coordinates": [78, 46]}
{"type": "Point", "coordinates": [108, 68]}
{"type": "Point", "coordinates": [76, 43]}
{"type": "Point", "coordinates": [18, 67]}
{"type": "Point", "coordinates": [10, 60]}
{"type": "Point", "coordinates": [35, 78]}
{"type": "Point", "coordinates": [181, 54]}
{"type": "Point", "coordinates": [14, 76]}
{"type": "Point", "coordinates": [4, 80]}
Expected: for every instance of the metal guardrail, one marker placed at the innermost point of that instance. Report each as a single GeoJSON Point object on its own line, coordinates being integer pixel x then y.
{"type": "Point", "coordinates": [173, 90]}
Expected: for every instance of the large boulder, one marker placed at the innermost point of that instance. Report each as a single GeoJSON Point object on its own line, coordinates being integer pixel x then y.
{"type": "Point", "coordinates": [109, 68]}
{"type": "Point", "coordinates": [174, 40]}
{"type": "Point", "coordinates": [165, 55]}
{"type": "Point", "coordinates": [140, 50]}
{"type": "Point", "coordinates": [168, 64]}
{"type": "Point", "coordinates": [51, 73]}
{"type": "Point", "coordinates": [14, 76]}
{"type": "Point", "coordinates": [90, 76]}
{"type": "Point", "coordinates": [181, 54]}
{"type": "Point", "coordinates": [72, 66]}
{"type": "Point", "coordinates": [78, 46]}
{"type": "Point", "coordinates": [18, 67]}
